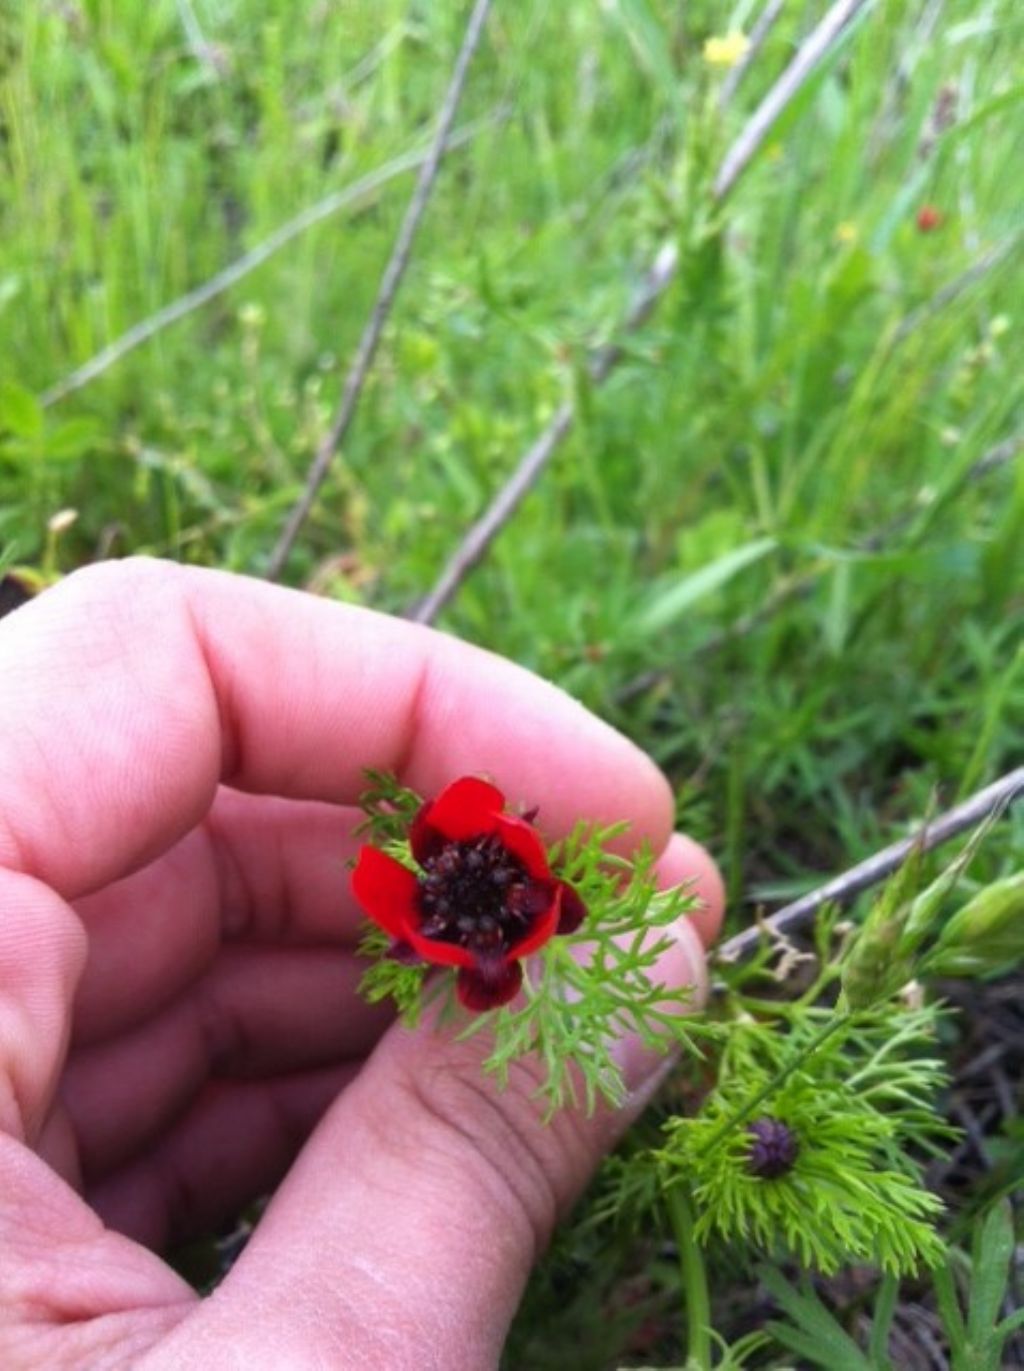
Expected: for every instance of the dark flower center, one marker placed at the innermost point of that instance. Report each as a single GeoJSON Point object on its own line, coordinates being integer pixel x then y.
{"type": "Point", "coordinates": [477, 894]}
{"type": "Point", "coordinates": [773, 1148]}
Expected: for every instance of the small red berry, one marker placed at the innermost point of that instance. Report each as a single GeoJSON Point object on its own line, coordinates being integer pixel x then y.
{"type": "Point", "coordinates": [929, 219]}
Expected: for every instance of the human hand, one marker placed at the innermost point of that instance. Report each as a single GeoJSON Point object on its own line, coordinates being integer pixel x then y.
{"type": "Point", "coordinates": [179, 754]}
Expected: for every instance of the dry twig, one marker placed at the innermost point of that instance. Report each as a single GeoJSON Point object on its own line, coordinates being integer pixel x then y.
{"type": "Point", "coordinates": [390, 282]}
{"type": "Point", "coordinates": [814, 47]}
{"type": "Point", "coordinates": [758, 35]}
{"type": "Point", "coordinates": [803, 582]}
{"type": "Point", "coordinates": [202, 49]}
{"type": "Point", "coordinates": [841, 890]}
{"type": "Point", "coordinates": [952, 290]}
{"type": "Point", "coordinates": [202, 294]}
{"type": "Point", "coordinates": [481, 534]}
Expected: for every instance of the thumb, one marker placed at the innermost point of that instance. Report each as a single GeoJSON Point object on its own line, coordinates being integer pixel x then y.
{"type": "Point", "coordinates": [404, 1234]}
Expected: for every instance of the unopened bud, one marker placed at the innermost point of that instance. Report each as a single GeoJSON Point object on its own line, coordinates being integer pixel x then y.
{"type": "Point", "coordinates": [61, 521]}
{"type": "Point", "coordinates": [774, 1148]}
{"type": "Point", "coordinates": [875, 967]}
{"type": "Point", "coordinates": [986, 935]}
{"type": "Point", "coordinates": [880, 958]}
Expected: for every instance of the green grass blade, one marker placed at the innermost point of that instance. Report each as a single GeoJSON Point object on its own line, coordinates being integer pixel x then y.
{"type": "Point", "coordinates": [991, 1252]}
{"type": "Point", "coordinates": [881, 1323]}
{"type": "Point", "coordinates": [671, 604]}
{"type": "Point", "coordinates": [817, 1335]}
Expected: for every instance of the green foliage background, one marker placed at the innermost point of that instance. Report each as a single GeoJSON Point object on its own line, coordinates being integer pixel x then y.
{"type": "Point", "coordinates": [808, 380]}
{"type": "Point", "coordinates": [770, 398]}
{"type": "Point", "coordinates": [784, 547]}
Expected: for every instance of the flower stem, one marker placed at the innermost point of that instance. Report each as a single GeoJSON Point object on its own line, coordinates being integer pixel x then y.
{"type": "Point", "coordinates": [695, 1283]}
{"type": "Point", "coordinates": [741, 1115]}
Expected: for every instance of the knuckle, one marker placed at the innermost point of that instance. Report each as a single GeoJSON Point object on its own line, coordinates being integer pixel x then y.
{"type": "Point", "coordinates": [96, 612]}
{"type": "Point", "coordinates": [115, 576]}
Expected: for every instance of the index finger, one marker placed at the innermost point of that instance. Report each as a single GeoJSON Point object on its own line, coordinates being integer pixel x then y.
{"type": "Point", "coordinates": [132, 688]}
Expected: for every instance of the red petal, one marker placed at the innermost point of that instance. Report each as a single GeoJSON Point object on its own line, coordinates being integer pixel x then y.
{"type": "Point", "coordinates": [572, 911]}
{"type": "Point", "coordinates": [387, 892]}
{"type": "Point", "coordinates": [424, 838]}
{"type": "Point", "coordinates": [439, 952]}
{"type": "Point", "coordinates": [466, 808]}
{"type": "Point", "coordinates": [523, 841]}
{"type": "Point", "coordinates": [488, 984]}
{"type": "Point", "coordinates": [542, 931]}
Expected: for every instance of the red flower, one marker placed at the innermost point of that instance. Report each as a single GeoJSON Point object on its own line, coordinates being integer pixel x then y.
{"type": "Point", "coordinates": [484, 897]}
{"type": "Point", "coordinates": [928, 218]}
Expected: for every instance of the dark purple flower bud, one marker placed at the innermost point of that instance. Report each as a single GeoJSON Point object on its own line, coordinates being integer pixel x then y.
{"type": "Point", "coordinates": [773, 1148]}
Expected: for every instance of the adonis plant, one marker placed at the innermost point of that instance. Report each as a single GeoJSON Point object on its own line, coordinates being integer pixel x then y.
{"type": "Point", "coordinates": [547, 946]}
{"type": "Point", "coordinates": [804, 1108]}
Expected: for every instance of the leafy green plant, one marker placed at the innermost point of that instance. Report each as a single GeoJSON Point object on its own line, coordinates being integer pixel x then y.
{"type": "Point", "coordinates": [815, 1334]}
{"type": "Point", "coordinates": [857, 1094]}
{"type": "Point", "coordinates": [572, 1006]}
{"type": "Point", "coordinates": [784, 549]}
{"type": "Point", "coordinates": [814, 1115]}
{"type": "Point", "coordinates": [976, 1342]}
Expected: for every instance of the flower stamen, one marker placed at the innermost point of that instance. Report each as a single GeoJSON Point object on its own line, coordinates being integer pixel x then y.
{"type": "Point", "coordinates": [477, 894]}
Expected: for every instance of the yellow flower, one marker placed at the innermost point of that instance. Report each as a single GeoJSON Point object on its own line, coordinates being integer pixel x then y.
{"type": "Point", "coordinates": [727, 50]}
{"type": "Point", "coordinates": [846, 233]}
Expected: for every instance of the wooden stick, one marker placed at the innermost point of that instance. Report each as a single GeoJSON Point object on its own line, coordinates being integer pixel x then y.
{"type": "Point", "coordinates": [390, 282]}
{"type": "Point", "coordinates": [759, 125]}
{"type": "Point", "coordinates": [223, 280]}
{"type": "Point", "coordinates": [482, 533]}
{"type": "Point", "coordinates": [478, 538]}
{"type": "Point", "coordinates": [843, 889]}
{"type": "Point", "coordinates": [758, 35]}
{"type": "Point", "coordinates": [988, 261]}
{"type": "Point", "coordinates": [202, 49]}
{"type": "Point", "coordinates": [802, 582]}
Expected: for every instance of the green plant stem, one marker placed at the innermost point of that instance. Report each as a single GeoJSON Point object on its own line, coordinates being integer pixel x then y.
{"type": "Point", "coordinates": [745, 1111]}
{"type": "Point", "coordinates": [694, 1277]}
{"type": "Point", "coordinates": [813, 993]}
